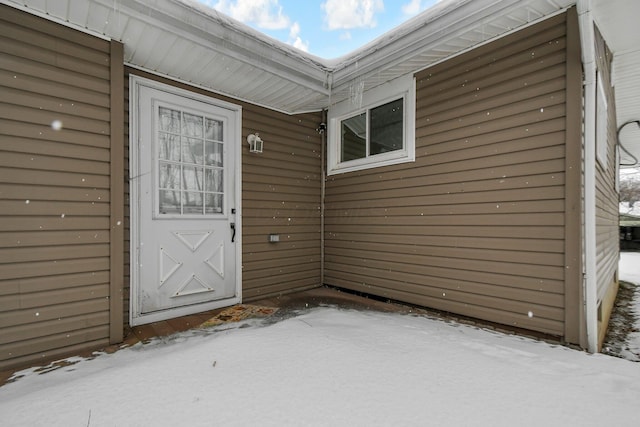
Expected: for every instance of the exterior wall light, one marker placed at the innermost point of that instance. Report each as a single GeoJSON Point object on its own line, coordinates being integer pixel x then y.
{"type": "Point", "coordinates": [255, 143]}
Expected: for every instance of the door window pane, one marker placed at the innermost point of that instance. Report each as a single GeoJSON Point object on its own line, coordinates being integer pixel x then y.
{"type": "Point", "coordinates": [213, 203]}
{"type": "Point", "coordinates": [192, 151]}
{"type": "Point", "coordinates": [168, 146]}
{"type": "Point", "coordinates": [214, 180]}
{"type": "Point", "coordinates": [169, 176]}
{"type": "Point", "coordinates": [192, 178]}
{"type": "Point", "coordinates": [192, 125]}
{"type": "Point", "coordinates": [213, 154]}
{"type": "Point", "coordinates": [192, 203]}
{"type": "Point", "coordinates": [213, 129]}
{"type": "Point", "coordinates": [190, 160]}
{"type": "Point", "coordinates": [169, 202]}
{"type": "Point", "coordinates": [169, 120]}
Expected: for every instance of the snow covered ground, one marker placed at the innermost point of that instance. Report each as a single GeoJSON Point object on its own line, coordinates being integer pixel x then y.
{"type": "Point", "coordinates": [335, 367]}
{"type": "Point", "coordinates": [624, 327]}
{"type": "Point", "coordinates": [630, 268]}
{"type": "Point", "coordinates": [624, 208]}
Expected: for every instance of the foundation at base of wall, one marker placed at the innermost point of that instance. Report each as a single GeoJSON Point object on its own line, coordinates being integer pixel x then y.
{"type": "Point", "coordinates": [604, 311]}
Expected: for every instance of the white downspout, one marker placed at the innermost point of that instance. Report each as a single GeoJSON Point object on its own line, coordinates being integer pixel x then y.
{"type": "Point", "coordinates": [590, 273]}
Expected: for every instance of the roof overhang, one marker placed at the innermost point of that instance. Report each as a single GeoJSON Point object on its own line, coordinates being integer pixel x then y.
{"type": "Point", "coordinates": [441, 32]}
{"type": "Point", "coordinates": [190, 42]}
{"type": "Point", "coordinates": [618, 21]}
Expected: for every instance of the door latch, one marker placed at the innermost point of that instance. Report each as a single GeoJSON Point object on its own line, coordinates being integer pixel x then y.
{"type": "Point", "coordinates": [233, 232]}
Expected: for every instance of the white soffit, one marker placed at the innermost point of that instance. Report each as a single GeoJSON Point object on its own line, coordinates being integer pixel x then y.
{"type": "Point", "coordinates": [190, 42]}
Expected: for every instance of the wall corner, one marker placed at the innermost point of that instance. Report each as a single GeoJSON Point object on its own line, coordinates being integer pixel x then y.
{"type": "Point", "coordinates": [116, 212]}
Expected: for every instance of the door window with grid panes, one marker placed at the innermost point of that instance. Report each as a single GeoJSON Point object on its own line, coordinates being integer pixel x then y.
{"type": "Point", "coordinates": [190, 163]}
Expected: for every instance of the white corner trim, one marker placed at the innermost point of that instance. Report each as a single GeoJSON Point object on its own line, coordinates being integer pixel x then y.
{"type": "Point", "coordinates": [590, 272]}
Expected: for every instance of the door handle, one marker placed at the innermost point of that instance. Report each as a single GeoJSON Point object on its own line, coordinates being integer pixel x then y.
{"type": "Point", "coordinates": [233, 232]}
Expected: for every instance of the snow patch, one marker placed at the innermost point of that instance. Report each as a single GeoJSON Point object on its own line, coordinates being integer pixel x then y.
{"type": "Point", "coordinates": [328, 366]}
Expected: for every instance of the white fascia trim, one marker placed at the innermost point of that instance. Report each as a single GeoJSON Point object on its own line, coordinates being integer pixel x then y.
{"type": "Point", "coordinates": [402, 87]}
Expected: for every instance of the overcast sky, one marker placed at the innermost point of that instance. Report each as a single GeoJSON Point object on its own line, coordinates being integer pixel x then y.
{"type": "Point", "coordinates": [325, 28]}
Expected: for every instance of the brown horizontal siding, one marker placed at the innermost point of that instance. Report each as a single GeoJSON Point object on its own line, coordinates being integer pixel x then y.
{"type": "Point", "coordinates": [21, 335]}
{"type": "Point", "coordinates": [476, 225]}
{"type": "Point", "coordinates": [35, 161]}
{"type": "Point", "coordinates": [45, 348]}
{"type": "Point", "coordinates": [38, 299]}
{"type": "Point", "coordinates": [607, 215]}
{"type": "Point", "coordinates": [55, 75]}
{"type": "Point", "coordinates": [97, 114]}
{"type": "Point", "coordinates": [54, 189]}
{"type": "Point", "coordinates": [42, 207]}
{"type": "Point", "coordinates": [55, 311]}
{"type": "Point", "coordinates": [432, 297]}
{"type": "Point", "coordinates": [281, 195]}
{"type": "Point", "coordinates": [38, 85]}
{"type": "Point", "coordinates": [40, 192]}
{"type": "Point", "coordinates": [36, 143]}
{"type": "Point", "coordinates": [54, 178]}
{"type": "Point", "coordinates": [53, 283]}
{"type": "Point", "coordinates": [17, 255]}
{"type": "Point", "coordinates": [48, 238]}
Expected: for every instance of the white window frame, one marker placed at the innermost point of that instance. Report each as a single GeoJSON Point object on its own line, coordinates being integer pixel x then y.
{"type": "Point", "coordinates": [403, 87]}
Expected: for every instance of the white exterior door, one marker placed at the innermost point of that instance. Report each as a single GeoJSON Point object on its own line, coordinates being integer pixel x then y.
{"type": "Point", "coordinates": [184, 175]}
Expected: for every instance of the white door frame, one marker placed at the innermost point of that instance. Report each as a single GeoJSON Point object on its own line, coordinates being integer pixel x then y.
{"type": "Point", "coordinates": [135, 315]}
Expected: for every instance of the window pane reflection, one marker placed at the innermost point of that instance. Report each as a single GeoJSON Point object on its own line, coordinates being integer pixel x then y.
{"type": "Point", "coordinates": [213, 129]}
{"type": "Point", "coordinates": [168, 146]}
{"type": "Point", "coordinates": [192, 151]}
{"type": "Point", "coordinates": [386, 128]}
{"type": "Point", "coordinates": [169, 120]}
{"type": "Point", "coordinates": [192, 203]}
{"type": "Point", "coordinates": [169, 176]}
{"type": "Point", "coordinates": [213, 203]}
{"type": "Point", "coordinates": [354, 138]}
{"type": "Point", "coordinates": [192, 178]}
{"type": "Point", "coordinates": [169, 202]}
{"type": "Point", "coordinates": [213, 154]}
{"type": "Point", "coordinates": [214, 180]}
{"type": "Point", "coordinates": [192, 125]}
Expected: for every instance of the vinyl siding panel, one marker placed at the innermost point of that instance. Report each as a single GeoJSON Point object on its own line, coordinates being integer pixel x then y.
{"type": "Point", "coordinates": [54, 189]}
{"type": "Point", "coordinates": [281, 195]}
{"type": "Point", "coordinates": [281, 190]}
{"type": "Point", "coordinates": [607, 219]}
{"type": "Point", "coordinates": [476, 226]}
